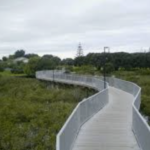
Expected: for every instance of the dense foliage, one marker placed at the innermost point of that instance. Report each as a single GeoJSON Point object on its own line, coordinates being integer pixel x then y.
{"type": "Point", "coordinates": [137, 65]}
{"type": "Point", "coordinates": [32, 112]}
{"type": "Point", "coordinates": [114, 61]}
{"type": "Point", "coordinates": [128, 61]}
{"type": "Point", "coordinates": [19, 53]}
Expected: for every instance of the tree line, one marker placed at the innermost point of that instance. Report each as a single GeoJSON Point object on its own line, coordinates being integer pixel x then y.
{"type": "Point", "coordinates": [119, 60]}
{"type": "Point", "coordinates": [113, 61]}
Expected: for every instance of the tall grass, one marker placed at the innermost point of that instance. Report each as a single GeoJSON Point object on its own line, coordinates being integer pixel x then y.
{"type": "Point", "coordinates": [32, 112]}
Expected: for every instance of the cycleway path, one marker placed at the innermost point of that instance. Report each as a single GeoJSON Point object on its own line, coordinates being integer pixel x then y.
{"type": "Point", "coordinates": [110, 128]}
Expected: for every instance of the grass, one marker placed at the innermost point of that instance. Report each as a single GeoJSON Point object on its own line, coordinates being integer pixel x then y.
{"type": "Point", "coordinates": [32, 112]}
{"type": "Point", "coordinates": [8, 73]}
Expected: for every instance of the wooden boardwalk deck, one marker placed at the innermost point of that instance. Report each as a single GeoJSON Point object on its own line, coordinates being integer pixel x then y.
{"type": "Point", "coordinates": [110, 129]}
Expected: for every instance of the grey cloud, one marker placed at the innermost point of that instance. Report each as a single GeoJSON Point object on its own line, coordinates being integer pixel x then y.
{"type": "Point", "coordinates": [47, 26]}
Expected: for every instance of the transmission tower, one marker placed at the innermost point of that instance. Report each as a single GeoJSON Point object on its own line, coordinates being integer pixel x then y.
{"type": "Point", "coordinates": [79, 51]}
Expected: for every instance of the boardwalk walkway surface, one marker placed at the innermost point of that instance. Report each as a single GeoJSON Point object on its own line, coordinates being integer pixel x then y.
{"type": "Point", "coordinates": [110, 128]}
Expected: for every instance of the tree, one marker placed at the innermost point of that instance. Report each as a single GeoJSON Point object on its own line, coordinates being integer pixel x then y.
{"type": "Point", "coordinates": [30, 55]}
{"type": "Point", "coordinates": [17, 67]}
{"type": "Point", "coordinates": [32, 66]}
{"type": "Point", "coordinates": [11, 57]}
{"type": "Point", "coordinates": [19, 53]}
{"type": "Point", "coordinates": [4, 58]}
{"type": "Point", "coordinates": [109, 68]}
{"type": "Point", "coordinates": [79, 61]}
{"type": "Point", "coordinates": [48, 62]}
{"type": "Point", "coordinates": [68, 61]}
{"type": "Point", "coordinates": [2, 66]}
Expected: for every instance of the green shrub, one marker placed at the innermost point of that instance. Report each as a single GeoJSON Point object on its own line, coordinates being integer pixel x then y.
{"type": "Point", "coordinates": [143, 71]}
{"type": "Point", "coordinates": [32, 112]}
{"type": "Point", "coordinates": [85, 69]}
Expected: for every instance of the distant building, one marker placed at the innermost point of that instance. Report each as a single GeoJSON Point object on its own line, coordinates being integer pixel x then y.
{"type": "Point", "coordinates": [21, 59]}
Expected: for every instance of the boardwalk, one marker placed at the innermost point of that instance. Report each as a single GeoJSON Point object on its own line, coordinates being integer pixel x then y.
{"type": "Point", "coordinates": [110, 129]}
{"type": "Point", "coordinates": [111, 126]}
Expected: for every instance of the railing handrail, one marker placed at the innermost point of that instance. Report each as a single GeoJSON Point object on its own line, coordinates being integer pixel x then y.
{"type": "Point", "coordinates": [80, 108]}
{"type": "Point", "coordinates": [142, 134]}
{"type": "Point", "coordinates": [135, 98]}
{"type": "Point", "coordinates": [140, 127]}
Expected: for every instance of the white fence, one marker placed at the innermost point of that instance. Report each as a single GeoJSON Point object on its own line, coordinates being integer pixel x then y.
{"type": "Point", "coordinates": [88, 107]}
{"type": "Point", "coordinates": [139, 125]}
{"type": "Point", "coordinates": [83, 111]}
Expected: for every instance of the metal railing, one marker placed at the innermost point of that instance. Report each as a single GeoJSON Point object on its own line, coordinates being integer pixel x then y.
{"type": "Point", "coordinates": [83, 111]}
{"type": "Point", "coordinates": [88, 107]}
{"type": "Point", "coordinates": [140, 127]}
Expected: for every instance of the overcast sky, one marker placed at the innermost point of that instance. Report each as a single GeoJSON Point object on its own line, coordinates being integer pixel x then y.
{"type": "Point", "coordinates": [57, 26]}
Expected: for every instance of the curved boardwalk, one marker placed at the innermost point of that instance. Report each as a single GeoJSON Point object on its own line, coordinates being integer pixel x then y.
{"type": "Point", "coordinates": [110, 128]}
